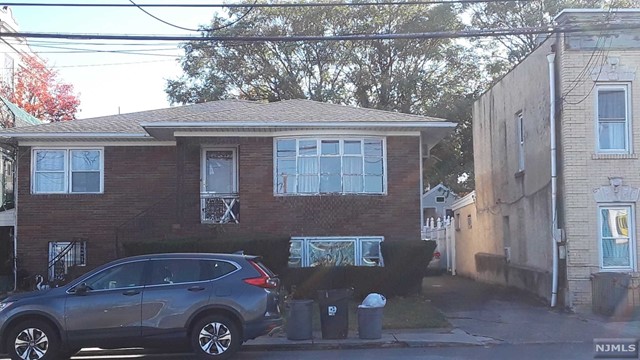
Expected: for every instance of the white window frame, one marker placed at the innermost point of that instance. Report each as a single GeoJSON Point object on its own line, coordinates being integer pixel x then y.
{"type": "Point", "coordinates": [319, 140]}
{"type": "Point", "coordinates": [628, 137]}
{"type": "Point", "coordinates": [358, 240]}
{"type": "Point", "coordinates": [67, 188]}
{"type": "Point", "coordinates": [203, 168]}
{"type": "Point", "coordinates": [632, 240]}
{"type": "Point", "coordinates": [520, 134]}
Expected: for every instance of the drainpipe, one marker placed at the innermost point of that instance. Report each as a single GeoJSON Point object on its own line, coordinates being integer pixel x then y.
{"type": "Point", "coordinates": [554, 196]}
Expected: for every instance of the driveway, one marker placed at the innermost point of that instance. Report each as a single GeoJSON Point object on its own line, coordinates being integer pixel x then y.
{"type": "Point", "coordinates": [512, 316]}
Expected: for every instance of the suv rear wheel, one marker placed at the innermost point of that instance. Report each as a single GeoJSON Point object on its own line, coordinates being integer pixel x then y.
{"type": "Point", "coordinates": [33, 340]}
{"type": "Point", "coordinates": [215, 337]}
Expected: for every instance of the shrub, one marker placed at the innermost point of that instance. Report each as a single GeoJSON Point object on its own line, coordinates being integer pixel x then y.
{"type": "Point", "coordinates": [405, 266]}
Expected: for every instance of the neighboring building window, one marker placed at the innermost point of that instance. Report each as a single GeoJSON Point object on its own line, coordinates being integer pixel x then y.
{"type": "Point", "coordinates": [520, 125]}
{"type": "Point", "coordinates": [617, 243]}
{"type": "Point", "coordinates": [439, 199]}
{"type": "Point", "coordinates": [335, 251]}
{"type": "Point", "coordinates": [469, 223]}
{"type": "Point", "coordinates": [613, 118]}
{"type": "Point", "coordinates": [321, 166]}
{"type": "Point", "coordinates": [78, 171]}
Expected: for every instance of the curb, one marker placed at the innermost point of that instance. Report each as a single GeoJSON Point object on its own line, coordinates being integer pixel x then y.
{"type": "Point", "coordinates": [290, 347]}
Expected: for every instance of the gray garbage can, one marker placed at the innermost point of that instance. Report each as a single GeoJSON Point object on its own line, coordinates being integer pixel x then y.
{"type": "Point", "coordinates": [370, 322]}
{"type": "Point", "coordinates": [299, 319]}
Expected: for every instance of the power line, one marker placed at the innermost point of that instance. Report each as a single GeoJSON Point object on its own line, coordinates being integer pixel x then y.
{"type": "Point", "coordinates": [231, 23]}
{"type": "Point", "coordinates": [351, 37]}
{"type": "Point", "coordinates": [263, 5]}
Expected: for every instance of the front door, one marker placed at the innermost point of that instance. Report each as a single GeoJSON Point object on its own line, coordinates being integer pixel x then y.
{"type": "Point", "coordinates": [219, 186]}
{"type": "Point", "coordinates": [110, 311]}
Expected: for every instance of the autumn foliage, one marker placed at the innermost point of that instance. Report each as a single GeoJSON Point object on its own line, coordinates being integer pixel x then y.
{"type": "Point", "coordinates": [39, 92]}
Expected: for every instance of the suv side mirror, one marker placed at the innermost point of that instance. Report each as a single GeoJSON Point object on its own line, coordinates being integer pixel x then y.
{"type": "Point", "coordinates": [81, 289]}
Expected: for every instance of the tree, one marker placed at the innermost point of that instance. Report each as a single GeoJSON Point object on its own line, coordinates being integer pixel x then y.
{"type": "Point", "coordinates": [409, 76]}
{"type": "Point", "coordinates": [505, 52]}
{"type": "Point", "coordinates": [39, 92]}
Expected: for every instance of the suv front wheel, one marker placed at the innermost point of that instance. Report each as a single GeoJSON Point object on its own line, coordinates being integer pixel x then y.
{"type": "Point", "coordinates": [33, 340]}
{"type": "Point", "coordinates": [215, 337]}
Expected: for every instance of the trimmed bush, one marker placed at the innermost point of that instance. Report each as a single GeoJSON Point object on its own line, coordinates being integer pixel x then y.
{"type": "Point", "coordinates": [405, 266]}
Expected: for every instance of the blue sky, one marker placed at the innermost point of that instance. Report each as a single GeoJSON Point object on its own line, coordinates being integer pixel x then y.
{"type": "Point", "coordinates": [106, 89]}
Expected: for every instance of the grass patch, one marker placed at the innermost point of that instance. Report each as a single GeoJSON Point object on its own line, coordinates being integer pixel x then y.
{"type": "Point", "coordinates": [411, 312]}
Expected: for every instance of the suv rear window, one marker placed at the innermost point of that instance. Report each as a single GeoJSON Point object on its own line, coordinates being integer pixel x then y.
{"type": "Point", "coordinates": [213, 269]}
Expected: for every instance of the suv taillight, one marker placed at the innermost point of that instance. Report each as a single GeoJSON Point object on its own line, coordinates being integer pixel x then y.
{"type": "Point", "coordinates": [263, 281]}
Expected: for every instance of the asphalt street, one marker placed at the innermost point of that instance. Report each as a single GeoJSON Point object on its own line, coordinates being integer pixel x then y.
{"type": "Point", "coordinates": [565, 351]}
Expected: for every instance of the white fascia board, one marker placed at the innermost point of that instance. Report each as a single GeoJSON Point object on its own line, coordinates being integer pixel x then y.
{"type": "Point", "coordinates": [469, 199]}
{"type": "Point", "coordinates": [76, 135]}
{"type": "Point", "coordinates": [335, 132]}
{"type": "Point", "coordinates": [337, 124]}
{"type": "Point", "coordinates": [97, 142]}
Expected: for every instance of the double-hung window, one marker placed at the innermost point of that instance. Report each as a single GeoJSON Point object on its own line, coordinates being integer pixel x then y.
{"type": "Point", "coordinates": [617, 243]}
{"type": "Point", "coordinates": [613, 119]}
{"type": "Point", "coordinates": [60, 171]}
{"type": "Point", "coordinates": [324, 166]}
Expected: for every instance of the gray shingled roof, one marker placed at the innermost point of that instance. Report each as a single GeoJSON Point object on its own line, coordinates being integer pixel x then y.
{"type": "Point", "coordinates": [229, 111]}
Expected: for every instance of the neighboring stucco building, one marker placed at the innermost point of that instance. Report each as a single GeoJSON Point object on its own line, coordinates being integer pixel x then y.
{"type": "Point", "coordinates": [586, 82]}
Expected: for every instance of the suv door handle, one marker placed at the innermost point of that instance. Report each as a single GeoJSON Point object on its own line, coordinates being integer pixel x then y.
{"type": "Point", "coordinates": [131, 292]}
{"type": "Point", "coordinates": [196, 288]}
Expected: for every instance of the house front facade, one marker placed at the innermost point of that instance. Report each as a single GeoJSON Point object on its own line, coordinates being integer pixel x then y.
{"type": "Point", "coordinates": [315, 173]}
{"type": "Point", "coordinates": [557, 170]}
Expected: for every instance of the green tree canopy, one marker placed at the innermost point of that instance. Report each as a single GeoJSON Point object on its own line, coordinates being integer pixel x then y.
{"type": "Point", "coordinates": [429, 77]}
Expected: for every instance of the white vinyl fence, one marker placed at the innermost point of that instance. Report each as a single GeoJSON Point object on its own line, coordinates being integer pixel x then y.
{"type": "Point", "coordinates": [443, 232]}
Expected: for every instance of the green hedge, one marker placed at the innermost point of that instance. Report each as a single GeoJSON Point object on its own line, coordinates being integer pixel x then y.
{"type": "Point", "coordinates": [405, 266]}
{"type": "Point", "coordinates": [274, 252]}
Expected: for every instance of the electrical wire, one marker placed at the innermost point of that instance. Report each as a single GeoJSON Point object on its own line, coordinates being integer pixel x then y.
{"type": "Point", "coordinates": [231, 23]}
{"type": "Point", "coordinates": [315, 38]}
{"type": "Point", "coordinates": [263, 5]}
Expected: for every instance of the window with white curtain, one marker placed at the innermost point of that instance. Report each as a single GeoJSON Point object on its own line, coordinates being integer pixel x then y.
{"type": "Point", "coordinates": [323, 166]}
{"type": "Point", "coordinates": [613, 119]}
{"type": "Point", "coordinates": [59, 171]}
{"type": "Point", "coordinates": [617, 243]}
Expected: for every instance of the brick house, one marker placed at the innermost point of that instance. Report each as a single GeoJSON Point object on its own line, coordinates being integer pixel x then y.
{"type": "Point", "coordinates": [570, 203]}
{"type": "Point", "coordinates": [317, 173]}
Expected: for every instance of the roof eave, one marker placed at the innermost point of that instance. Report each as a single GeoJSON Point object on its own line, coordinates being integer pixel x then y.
{"type": "Point", "coordinates": [167, 130]}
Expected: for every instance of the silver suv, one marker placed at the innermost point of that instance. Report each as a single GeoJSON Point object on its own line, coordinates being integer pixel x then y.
{"type": "Point", "coordinates": [212, 302]}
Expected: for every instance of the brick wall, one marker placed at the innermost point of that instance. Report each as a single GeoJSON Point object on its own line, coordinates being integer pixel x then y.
{"type": "Point", "coordinates": [583, 170]}
{"type": "Point", "coordinates": [137, 178]}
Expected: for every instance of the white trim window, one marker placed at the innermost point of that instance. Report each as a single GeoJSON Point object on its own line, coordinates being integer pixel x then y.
{"type": "Point", "coordinates": [613, 119]}
{"type": "Point", "coordinates": [308, 166]}
{"type": "Point", "coordinates": [62, 171]}
{"type": "Point", "coordinates": [520, 126]}
{"type": "Point", "coordinates": [335, 251]}
{"type": "Point", "coordinates": [617, 237]}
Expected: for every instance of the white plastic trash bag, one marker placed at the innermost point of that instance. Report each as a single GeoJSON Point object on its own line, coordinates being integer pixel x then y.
{"type": "Point", "coordinates": [374, 300]}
